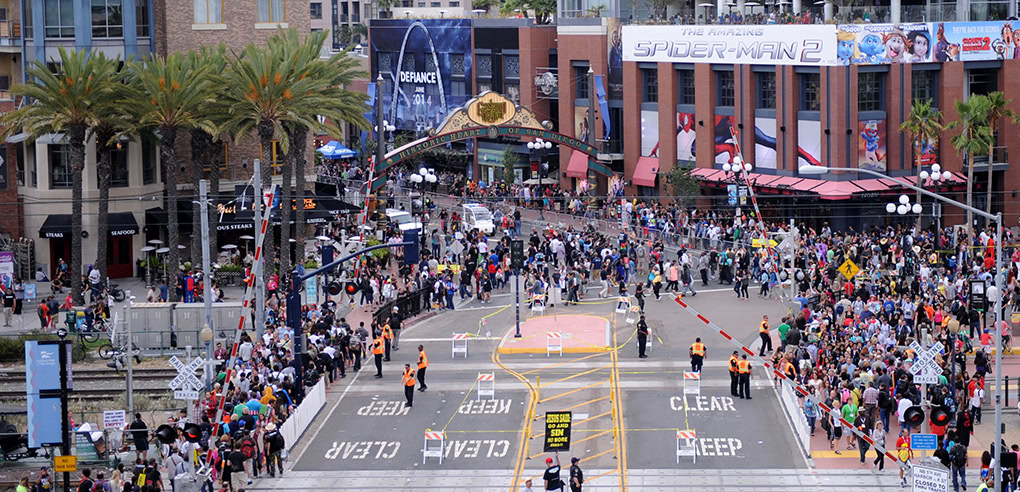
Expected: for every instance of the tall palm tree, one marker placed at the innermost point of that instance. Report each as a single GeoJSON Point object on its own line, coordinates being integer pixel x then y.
{"type": "Point", "coordinates": [207, 152]}
{"type": "Point", "coordinates": [997, 110]}
{"type": "Point", "coordinates": [73, 98]}
{"type": "Point", "coordinates": [974, 137]}
{"type": "Point", "coordinates": [923, 125]}
{"type": "Point", "coordinates": [170, 95]}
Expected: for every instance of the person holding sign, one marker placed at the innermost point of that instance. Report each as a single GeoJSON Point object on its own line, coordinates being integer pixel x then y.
{"type": "Point", "coordinates": [552, 474]}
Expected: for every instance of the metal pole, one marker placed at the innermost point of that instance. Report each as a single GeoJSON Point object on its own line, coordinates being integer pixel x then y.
{"type": "Point", "coordinates": [998, 350]}
{"type": "Point", "coordinates": [260, 284]}
{"type": "Point", "coordinates": [203, 196]}
{"type": "Point", "coordinates": [130, 354]}
{"type": "Point", "coordinates": [65, 421]}
{"type": "Point", "coordinates": [591, 117]}
{"type": "Point", "coordinates": [793, 258]}
{"type": "Point", "coordinates": [517, 301]}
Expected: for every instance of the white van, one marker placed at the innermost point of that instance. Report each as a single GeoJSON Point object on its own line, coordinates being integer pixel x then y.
{"type": "Point", "coordinates": [475, 216]}
{"type": "Point", "coordinates": [403, 220]}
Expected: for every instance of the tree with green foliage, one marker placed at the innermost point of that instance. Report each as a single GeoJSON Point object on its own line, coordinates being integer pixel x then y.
{"type": "Point", "coordinates": [510, 158]}
{"type": "Point", "coordinates": [683, 184]}
{"type": "Point", "coordinates": [923, 125]}
{"type": "Point", "coordinates": [975, 137]}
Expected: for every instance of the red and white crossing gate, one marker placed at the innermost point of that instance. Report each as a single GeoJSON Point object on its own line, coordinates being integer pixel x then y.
{"type": "Point", "coordinates": [538, 305]}
{"type": "Point", "coordinates": [460, 344]}
{"type": "Point", "coordinates": [435, 444]}
{"type": "Point", "coordinates": [686, 444]}
{"type": "Point", "coordinates": [553, 343]}
{"type": "Point", "coordinates": [622, 305]}
{"type": "Point", "coordinates": [692, 383]}
{"type": "Point", "coordinates": [486, 386]}
{"type": "Point", "coordinates": [836, 415]}
{"type": "Point", "coordinates": [632, 314]}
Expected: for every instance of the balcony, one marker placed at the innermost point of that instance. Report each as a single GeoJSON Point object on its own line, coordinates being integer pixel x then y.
{"type": "Point", "coordinates": [1000, 157]}
{"type": "Point", "coordinates": [10, 35]}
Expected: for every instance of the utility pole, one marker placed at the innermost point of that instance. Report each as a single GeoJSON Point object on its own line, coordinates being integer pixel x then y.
{"type": "Point", "coordinates": [998, 350]}
{"type": "Point", "coordinates": [793, 259]}
{"type": "Point", "coordinates": [203, 196]}
{"type": "Point", "coordinates": [260, 292]}
{"type": "Point", "coordinates": [130, 354]}
{"type": "Point", "coordinates": [65, 421]}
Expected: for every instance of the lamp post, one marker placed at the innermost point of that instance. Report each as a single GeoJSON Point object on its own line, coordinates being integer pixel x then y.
{"type": "Point", "coordinates": [541, 147]}
{"type": "Point", "coordinates": [931, 179]}
{"type": "Point", "coordinates": [997, 218]}
{"type": "Point", "coordinates": [423, 176]}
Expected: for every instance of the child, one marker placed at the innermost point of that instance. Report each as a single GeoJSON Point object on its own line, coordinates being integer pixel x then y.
{"type": "Point", "coordinates": [904, 455]}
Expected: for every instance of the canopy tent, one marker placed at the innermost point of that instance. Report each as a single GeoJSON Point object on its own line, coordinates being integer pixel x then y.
{"type": "Point", "coordinates": [336, 150]}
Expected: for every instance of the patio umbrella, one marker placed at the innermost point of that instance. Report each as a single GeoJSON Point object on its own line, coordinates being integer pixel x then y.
{"type": "Point", "coordinates": [336, 150]}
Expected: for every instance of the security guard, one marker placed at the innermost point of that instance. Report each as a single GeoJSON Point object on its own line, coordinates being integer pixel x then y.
{"type": "Point", "coordinates": [377, 351]}
{"type": "Point", "coordinates": [387, 334]}
{"type": "Point", "coordinates": [734, 378]}
{"type": "Point", "coordinates": [423, 363]}
{"type": "Point", "coordinates": [763, 332]}
{"type": "Point", "coordinates": [697, 353]}
{"type": "Point", "coordinates": [744, 368]}
{"type": "Point", "coordinates": [642, 337]}
{"type": "Point", "coordinates": [789, 370]}
{"type": "Point", "coordinates": [408, 380]}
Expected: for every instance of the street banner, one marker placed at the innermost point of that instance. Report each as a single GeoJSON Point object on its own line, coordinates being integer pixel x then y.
{"type": "Point", "coordinates": [871, 44]}
{"type": "Point", "coordinates": [813, 44]}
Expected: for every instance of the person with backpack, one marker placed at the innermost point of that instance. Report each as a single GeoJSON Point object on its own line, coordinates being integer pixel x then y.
{"type": "Point", "coordinates": [86, 483]}
{"type": "Point", "coordinates": [958, 458]}
{"type": "Point", "coordinates": [174, 465]}
{"type": "Point", "coordinates": [247, 447]}
{"type": "Point", "coordinates": [274, 445]}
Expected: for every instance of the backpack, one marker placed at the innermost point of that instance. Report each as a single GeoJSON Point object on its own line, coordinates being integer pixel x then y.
{"type": "Point", "coordinates": [958, 454]}
{"type": "Point", "coordinates": [247, 448]}
{"type": "Point", "coordinates": [99, 486]}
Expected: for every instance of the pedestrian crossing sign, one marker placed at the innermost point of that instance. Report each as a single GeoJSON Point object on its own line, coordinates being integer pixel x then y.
{"type": "Point", "coordinates": [849, 269]}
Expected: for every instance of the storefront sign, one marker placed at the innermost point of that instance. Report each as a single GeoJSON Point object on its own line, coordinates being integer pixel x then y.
{"type": "Point", "coordinates": [755, 45]}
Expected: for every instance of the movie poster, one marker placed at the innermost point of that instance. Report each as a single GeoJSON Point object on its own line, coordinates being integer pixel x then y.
{"type": "Point", "coordinates": [615, 39]}
{"type": "Point", "coordinates": [809, 142]}
{"type": "Point", "coordinates": [971, 41]}
{"type": "Point", "coordinates": [871, 152]}
{"type": "Point", "coordinates": [649, 133]}
{"type": "Point", "coordinates": [870, 44]}
{"type": "Point", "coordinates": [581, 123]}
{"type": "Point", "coordinates": [725, 151]}
{"type": "Point", "coordinates": [765, 143]}
{"type": "Point", "coordinates": [929, 151]}
{"type": "Point", "coordinates": [685, 137]}
{"type": "Point", "coordinates": [426, 66]}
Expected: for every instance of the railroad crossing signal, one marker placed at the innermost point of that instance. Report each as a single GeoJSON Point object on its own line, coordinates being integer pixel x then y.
{"type": "Point", "coordinates": [186, 385]}
{"type": "Point", "coordinates": [849, 269]}
{"type": "Point", "coordinates": [925, 368]}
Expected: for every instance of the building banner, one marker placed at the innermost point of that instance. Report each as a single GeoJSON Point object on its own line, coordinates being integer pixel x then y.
{"type": "Point", "coordinates": [971, 41]}
{"type": "Point", "coordinates": [686, 137]}
{"type": "Point", "coordinates": [870, 44]}
{"type": "Point", "coordinates": [871, 145]}
{"type": "Point", "coordinates": [813, 44]}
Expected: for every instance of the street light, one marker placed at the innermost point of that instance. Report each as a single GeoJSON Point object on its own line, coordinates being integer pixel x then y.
{"type": "Point", "coordinates": [541, 147]}
{"type": "Point", "coordinates": [811, 169]}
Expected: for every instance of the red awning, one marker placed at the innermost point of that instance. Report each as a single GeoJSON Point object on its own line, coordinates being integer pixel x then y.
{"type": "Point", "coordinates": [766, 179]}
{"type": "Point", "coordinates": [836, 190]}
{"type": "Point", "coordinates": [785, 181]}
{"type": "Point", "coordinates": [644, 172]}
{"type": "Point", "coordinates": [871, 185]}
{"type": "Point", "coordinates": [578, 165]}
{"type": "Point", "coordinates": [806, 184]}
{"type": "Point", "coordinates": [702, 172]}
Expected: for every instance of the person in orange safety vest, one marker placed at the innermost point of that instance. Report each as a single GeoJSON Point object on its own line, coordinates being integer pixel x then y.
{"type": "Point", "coordinates": [423, 363]}
{"type": "Point", "coordinates": [697, 353]}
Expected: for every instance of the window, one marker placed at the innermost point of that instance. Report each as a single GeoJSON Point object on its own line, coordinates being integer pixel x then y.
{"type": "Point", "coordinates": [355, 12]}
{"type": "Point", "coordinates": [148, 160]}
{"type": "Point", "coordinates": [208, 11]}
{"type": "Point", "coordinates": [982, 81]}
{"type": "Point", "coordinates": [421, 4]}
{"type": "Point", "coordinates": [809, 90]}
{"type": "Point", "coordinates": [277, 157]}
{"type": "Point", "coordinates": [455, 4]}
{"type": "Point", "coordinates": [457, 64]}
{"type": "Point", "coordinates": [107, 18]}
{"type": "Point", "coordinates": [118, 166]}
{"type": "Point", "coordinates": [271, 11]}
{"type": "Point", "coordinates": [223, 163]}
{"type": "Point", "coordinates": [142, 19]}
{"type": "Point", "coordinates": [685, 84]}
{"type": "Point", "coordinates": [581, 77]}
{"type": "Point", "coordinates": [29, 32]}
{"type": "Point", "coordinates": [61, 175]}
{"type": "Point", "coordinates": [435, 4]}
{"type": "Point", "coordinates": [649, 86]}
{"type": "Point", "coordinates": [33, 169]}
{"type": "Point", "coordinates": [923, 86]}
{"type": "Point", "coordinates": [869, 91]}
{"type": "Point", "coordinates": [19, 154]}
{"type": "Point", "coordinates": [458, 88]}
{"type": "Point", "coordinates": [315, 10]}
{"type": "Point", "coordinates": [59, 18]}
{"type": "Point", "coordinates": [724, 88]}
{"type": "Point", "coordinates": [766, 90]}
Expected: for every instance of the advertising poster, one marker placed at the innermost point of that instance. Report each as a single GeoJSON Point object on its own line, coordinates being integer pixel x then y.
{"type": "Point", "coordinates": [725, 151]}
{"type": "Point", "coordinates": [869, 44]}
{"type": "Point", "coordinates": [871, 145]}
{"type": "Point", "coordinates": [649, 133]}
{"type": "Point", "coordinates": [418, 59]}
{"type": "Point", "coordinates": [765, 143]}
{"type": "Point", "coordinates": [6, 269]}
{"type": "Point", "coordinates": [685, 136]}
{"type": "Point", "coordinates": [929, 152]}
{"type": "Point", "coordinates": [809, 142]}
{"type": "Point", "coordinates": [971, 41]}
{"type": "Point", "coordinates": [615, 58]}
{"type": "Point", "coordinates": [809, 44]}
{"type": "Point", "coordinates": [581, 123]}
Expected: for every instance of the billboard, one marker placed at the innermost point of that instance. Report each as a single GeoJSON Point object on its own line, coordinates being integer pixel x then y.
{"type": "Point", "coordinates": [809, 142]}
{"type": "Point", "coordinates": [649, 133]}
{"type": "Point", "coordinates": [765, 45]}
{"type": "Point", "coordinates": [765, 143]}
{"type": "Point", "coordinates": [581, 123]}
{"type": "Point", "coordinates": [971, 41]}
{"type": "Point", "coordinates": [419, 60]}
{"type": "Point", "coordinates": [724, 151]}
{"type": "Point", "coordinates": [871, 152]}
{"type": "Point", "coordinates": [615, 51]}
{"type": "Point", "coordinates": [685, 136]}
{"type": "Point", "coordinates": [870, 44]}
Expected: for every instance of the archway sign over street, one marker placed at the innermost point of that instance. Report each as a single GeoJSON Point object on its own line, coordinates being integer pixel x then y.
{"type": "Point", "coordinates": [490, 115]}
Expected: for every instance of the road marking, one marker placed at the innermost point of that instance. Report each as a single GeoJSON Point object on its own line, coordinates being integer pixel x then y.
{"type": "Point", "coordinates": [470, 448]}
{"type": "Point", "coordinates": [558, 364]}
{"type": "Point", "coordinates": [572, 376]}
{"type": "Point", "coordinates": [719, 446]}
{"type": "Point", "coordinates": [704, 404]}
{"type": "Point", "coordinates": [359, 450]}
{"type": "Point", "coordinates": [384, 409]}
{"type": "Point", "coordinates": [486, 407]}
{"type": "Point", "coordinates": [600, 383]}
{"type": "Point", "coordinates": [322, 423]}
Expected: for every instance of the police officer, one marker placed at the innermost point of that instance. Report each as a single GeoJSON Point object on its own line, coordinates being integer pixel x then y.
{"type": "Point", "coordinates": [734, 376]}
{"type": "Point", "coordinates": [408, 380]}
{"type": "Point", "coordinates": [744, 369]}
{"type": "Point", "coordinates": [697, 353]}
{"type": "Point", "coordinates": [642, 337]}
{"type": "Point", "coordinates": [763, 332]}
{"type": "Point", "coordinates": [377, 351]}
{"type": "Point", "coordinates": [423, 363]}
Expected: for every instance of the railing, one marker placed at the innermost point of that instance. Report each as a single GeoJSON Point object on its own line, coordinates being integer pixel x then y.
{"type": "Point", "coordinates": [355, 18]}
{"type": "Point", "coordinates": [343, 18]}
{"type": "Point", "coordinates": [10, 33]}
{"type": "Point", "coordinates": [1000, 155]}
{"type": "Point", "coordinates": [409, 305]}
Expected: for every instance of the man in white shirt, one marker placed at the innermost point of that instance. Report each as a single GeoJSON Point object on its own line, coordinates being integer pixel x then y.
{"type": "Point", "coordinates": [245, 350]}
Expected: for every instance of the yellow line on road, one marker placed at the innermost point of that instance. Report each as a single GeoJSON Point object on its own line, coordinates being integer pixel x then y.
{"type": "Point", "coordinates": [558, 364]}
{"type": "Point", "coordinates": [589, 419]}
{"type": "Point", "coordinates": [526, 426]}
{"type": "Point", "coordinates": [578, 405]}
{"type": "Point", "coordinates": [600, 383]}
{"type": "Point", "coordinates": [610, 472]}
{"type": "Point", "coordinates": [466, 395]}
{"type": "Point", "coordinates": [572, 376]}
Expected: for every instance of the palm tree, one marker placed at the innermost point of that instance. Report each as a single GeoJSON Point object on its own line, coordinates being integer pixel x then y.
{"type": "Point", "coordinates": [171, 94]}
{"type": "Point", "coordinates": [997, 103]}
{"type": "Point", "coordinates": [975, 137]}
{"type": "Point", "coordinates": [923, 125]}
{"type": "Point", "coordinates": [207, 152]}
{"type": "Point", "coordinates": [73, 98]}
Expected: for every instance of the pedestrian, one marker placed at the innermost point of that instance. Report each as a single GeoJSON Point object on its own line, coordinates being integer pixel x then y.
{"type": "Point", "coordinates": [527, 486]}
{"type": "Point", "coordinates": [878, 435]}
{"type": "Point", "coordinates": [408, 380]}
{"type": "Point", "coordinates": [387, 335]}
{"type": "Point", "coordinates": [395, 325]}
{"type": "Point", "coordinates": [639, 293]}
{"type": "Point", "coordinates": [8, 303]}
{"type": "Point", "coordinates": [576, 475]}
{"type": "Point", "coordinates": [174, 464]}
{"type": "Point", "coordinates": [734, 375]}
{"type": "Point", "coordinates": [423, 363]}
{"type": "Point", "coordinates": [904, 455]}
{"type": "Point", "coordinates": [377, 351]}
{"type": "Point", "coordinates": [552, 474]}
{"type": "Point", "coordinates": [140, 436]}
{"type": "Point", "coordinates": [744, 368]}
{"type": "Point", "coordinates": [697, 353]}
{"type": "Point", "coordinates": [862, 442]}
{"type": "Point", "coordinates": [958, 459]}
{"type": "Point", "coordinates": [811, 412]}
{"type": "Point", "coordinates": [766, 339]}
{"type": "Point", "coordinates": [642, 336]}
{"type": "Point", "coordinates": [688, 282]}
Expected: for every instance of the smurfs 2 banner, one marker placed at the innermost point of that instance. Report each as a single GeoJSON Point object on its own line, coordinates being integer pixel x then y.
{"type": "Point", "coordinates": [869, 44]}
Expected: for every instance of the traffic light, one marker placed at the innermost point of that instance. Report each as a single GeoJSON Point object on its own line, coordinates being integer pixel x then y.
{"type": "Point", "coordinates": [914, 416]}
{"type": "Point", "coordinates": [351, 288]}
{"type": "Point", "coordinates": [166, 434]}
{"type": "Point", "coordinates": [517, 254]}
{"type": "Point", "coordinates": [192, 432]}
{"type": "Point", "coordinates": [939, 416]}
{"type": "Point", "coordinates": [333, 288]}
{"type": "Point", "coordinates": [545, 169]}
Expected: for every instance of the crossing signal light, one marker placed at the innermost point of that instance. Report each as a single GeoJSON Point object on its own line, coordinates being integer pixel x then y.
{"type": "Point", "coordinates": [517, 254]}
{"type": "Point", "coordinates": [914, 416]}
{"type": "Point", "coordinates": [333, 288]}
{"type": "Point", "coordinates": [192, 432]}
{"type": "Point", "coordinates": [166, 434]}
{"type": "Point", "coordinates": [939, 416]}
{"type": "Point", "coordinates": [351, 288]}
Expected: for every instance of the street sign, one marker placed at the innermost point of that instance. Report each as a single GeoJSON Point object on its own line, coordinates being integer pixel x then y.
{"type": "Point", "coordinates": [186, 385]}
{"type": "Point", "coordinates": [114, 419]}
{"type": "Point", "coordinates": [186, 395]}
{"type": "Point", "coordinates": [849, 269]}
{"type": "Point", "coordinates": [926, 369]}
{"type": "Point", "coordinates": [929, 479]}
{"type": "Point", "coordinates": [557, 431]}
{"type": "Point", "coordinates": [65, 464]}
{"type": "Point", "coordinates": [924, 442]}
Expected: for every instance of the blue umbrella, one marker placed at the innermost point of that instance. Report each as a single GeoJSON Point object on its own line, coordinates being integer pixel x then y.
{"type": "Point", "coordinates": [336, 150]}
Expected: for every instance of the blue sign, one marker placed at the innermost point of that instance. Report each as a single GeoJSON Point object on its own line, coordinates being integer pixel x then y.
{"type": "Point", "coordinates": [311, 290]}
{"type": "Point", "coordinates": [43, 412]}
{"type": "Point", "coordinates": [42, 366]}
{"type": "Point", "coordinates": [923, 442]}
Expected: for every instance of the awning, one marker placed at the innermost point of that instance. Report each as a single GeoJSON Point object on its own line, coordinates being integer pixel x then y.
{"type": "Point", "coordinates": [766, 179]}
{"type": "Point", "coordinates": [578, 165]}
{"type": "Point", "coordinates": [56, 226]}
{"type": "Point", "coordinates": [707, 173]}
{"type": "Point", "coordinates": [871, 185]}
{"type": "Point", "coordinates": [644, 172]}
{"type": "Point", "coordinates": [17, 138]}
{"type": "Point", "coordinates": [836, 190]}
{"type": "Point", "coordinates": [807, 184]}
{"type": "Point", "coordinates": [51, 138]}
{"type": "Point", "coordinates": [122, 224]}
{"type": "Point", "coordinates": [785, 181]}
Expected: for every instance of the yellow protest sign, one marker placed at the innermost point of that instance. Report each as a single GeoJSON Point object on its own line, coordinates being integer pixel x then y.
{"type": "Point", "coordinates": [849, 269]}
{"type": "Point", "coordinates": [757, 243]}
{"type": "Point", "coordinates": [65, 464]}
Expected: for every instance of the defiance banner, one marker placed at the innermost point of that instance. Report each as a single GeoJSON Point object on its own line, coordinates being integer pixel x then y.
{"type": "Point", "coordinates": [746, 45]}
